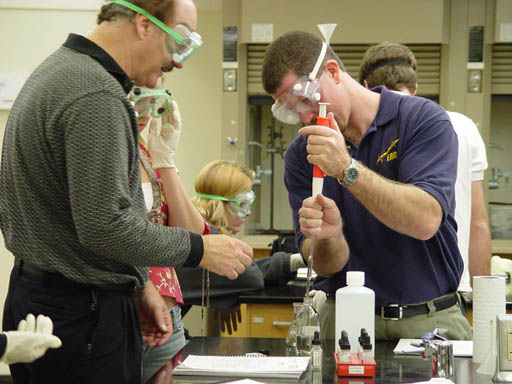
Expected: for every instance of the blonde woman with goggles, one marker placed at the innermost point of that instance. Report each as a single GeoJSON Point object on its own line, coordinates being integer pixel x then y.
{"type": "Point", "coordinates": [224, 197]}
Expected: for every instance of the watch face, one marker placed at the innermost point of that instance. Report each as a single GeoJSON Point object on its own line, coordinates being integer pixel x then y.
{"type": "Point", "coordinates": [351, 174]}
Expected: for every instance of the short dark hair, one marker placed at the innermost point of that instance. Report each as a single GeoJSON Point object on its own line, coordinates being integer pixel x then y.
{"type": "Point", "coordinates": [389, 64]}
{"type": "Point", "coordinates": [161, 9]}
{"type": "Point", "coordinates": [296, 51]}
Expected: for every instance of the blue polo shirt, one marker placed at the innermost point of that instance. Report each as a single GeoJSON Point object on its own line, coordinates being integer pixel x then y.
{"type": "Point", "coordinates": [413, 142]}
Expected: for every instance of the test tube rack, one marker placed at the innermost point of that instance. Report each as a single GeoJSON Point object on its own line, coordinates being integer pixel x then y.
{"type": "Point", "coordinates": [355, 367]}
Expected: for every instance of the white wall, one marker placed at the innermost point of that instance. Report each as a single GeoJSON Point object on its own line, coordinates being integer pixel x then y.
{"type": "Point", "coordinates": [197, 88]}
{"type": "Point", "coordinates": [32, 34]}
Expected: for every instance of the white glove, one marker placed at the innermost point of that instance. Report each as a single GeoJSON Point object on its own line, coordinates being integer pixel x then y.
{"type": "Point", "coordinates": [502, 266]}
{"type": "Point", "coordinates": [296, 262]}
{"type": "Point", "coordinates": [30, 341]}
{"type": "Point", "coordinates": [162, 145]}
{"type": "Point", "coordinates": [319, 298]}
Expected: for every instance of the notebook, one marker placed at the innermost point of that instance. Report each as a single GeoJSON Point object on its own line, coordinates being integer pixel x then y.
{"type": "Point", "coordinates": [302, 274]}
{"type": "Point", "coordinates": [243, 366]}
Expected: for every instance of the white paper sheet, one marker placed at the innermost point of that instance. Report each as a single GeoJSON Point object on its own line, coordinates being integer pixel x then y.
{"type": "Point", "coordinates": [461, 348]}
{"type": "Point", "coordinates": [243, 366]}
{"type": "Point", "coordinates": [302, 274]}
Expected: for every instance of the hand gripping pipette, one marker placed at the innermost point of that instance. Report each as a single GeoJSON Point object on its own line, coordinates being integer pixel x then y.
{"type": "Point", "coordinates": [318, 176]}
{"type": "Point", "coordinates": [317, 184]}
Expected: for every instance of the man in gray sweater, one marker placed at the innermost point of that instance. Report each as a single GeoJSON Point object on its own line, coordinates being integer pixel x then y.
{"type": "Point", "coordinates": [71, 205]}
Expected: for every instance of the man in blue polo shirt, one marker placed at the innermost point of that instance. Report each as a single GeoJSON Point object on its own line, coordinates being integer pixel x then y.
{"type": "Point", "coordinates": [387, 206]}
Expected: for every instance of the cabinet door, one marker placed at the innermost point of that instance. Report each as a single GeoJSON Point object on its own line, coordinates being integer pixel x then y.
{"type": "Point", "coordinates": [269, 320]}
{"type": "Point", "coordinates": [242, 327]}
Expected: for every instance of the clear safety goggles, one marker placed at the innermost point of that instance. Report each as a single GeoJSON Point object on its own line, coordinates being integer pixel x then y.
{"type": "Point", "coordinates": [302, 96]}
{"type": "Point", "coordinates": [156, 100]}
{"type": "Point", "coordinates": [240, 204]}
{"type": "Point", "coordinates": [180, 42]}
{"type": "Point", "coordinates": [180, 50]}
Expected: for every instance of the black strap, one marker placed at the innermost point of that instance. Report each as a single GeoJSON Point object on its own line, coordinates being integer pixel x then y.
{"type": "Point", "coordinates": [396, 312]}
{"type": "Point", "coordinates": [383, 63]}
{"type": "Point", "coordinates": [36, 273]}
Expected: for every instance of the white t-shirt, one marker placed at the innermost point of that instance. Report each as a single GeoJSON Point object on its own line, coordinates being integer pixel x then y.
{"type": "Point", "coordinates": [472, 163]}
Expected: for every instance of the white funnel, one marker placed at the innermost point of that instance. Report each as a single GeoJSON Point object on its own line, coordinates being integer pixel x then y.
{"type": "Point", "coordinates": [488, 366]}
{"type": "Point", "coordinates": [327, 30]}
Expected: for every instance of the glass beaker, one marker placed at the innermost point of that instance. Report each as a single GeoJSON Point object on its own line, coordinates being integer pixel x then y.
{"type": "Point", "coordinates": [308, 321]}
{"type": "Point", "coordinates": [291, 336]}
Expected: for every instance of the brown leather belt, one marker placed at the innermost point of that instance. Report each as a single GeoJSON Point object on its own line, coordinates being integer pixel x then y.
{"type": "Point", "coordinates": [36, 273]}
{"type": "Point", "coordinates": [397, 312]}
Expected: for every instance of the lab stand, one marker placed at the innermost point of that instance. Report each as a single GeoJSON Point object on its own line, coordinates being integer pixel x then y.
{"type": "Point", "coordinates": [267, 141]}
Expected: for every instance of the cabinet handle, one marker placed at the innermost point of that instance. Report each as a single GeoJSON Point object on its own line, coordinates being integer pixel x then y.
{"type": "Point", "coordinates": [281, 323]}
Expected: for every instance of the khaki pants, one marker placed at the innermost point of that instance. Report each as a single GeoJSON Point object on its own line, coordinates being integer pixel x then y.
{"type": "Point", "coordinates": [411, 328]}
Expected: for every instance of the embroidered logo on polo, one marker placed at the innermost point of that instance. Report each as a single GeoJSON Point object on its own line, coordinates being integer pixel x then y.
{"type": "Point", "coordinates": [388, 155]}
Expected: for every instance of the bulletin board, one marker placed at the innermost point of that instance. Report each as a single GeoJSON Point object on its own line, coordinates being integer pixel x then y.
{"type": "Point", "coordinates": [10, 86]}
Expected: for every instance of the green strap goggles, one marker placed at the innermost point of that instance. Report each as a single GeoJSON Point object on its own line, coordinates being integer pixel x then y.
{"type": "Point", "coordinates": [156, 100]}
{"type": "Point", "coordinates": [239, 205]}
{"type": "Point", "coordinates": [182, 44]}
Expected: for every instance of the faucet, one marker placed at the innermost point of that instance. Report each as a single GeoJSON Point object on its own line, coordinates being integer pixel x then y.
{"type": "Point", "coordinates": [496, 173]}
{"type": "Point", "coordinates": [495, 146]}
{"type": "Point", "coordinates": [260, 171]}
{"type": "Point", "coordinates": [263, 147]}
{"type": "Point", "coordinates": [494, 182]}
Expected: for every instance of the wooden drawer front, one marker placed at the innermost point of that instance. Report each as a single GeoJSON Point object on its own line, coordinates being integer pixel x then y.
{"type": "Point", "coordinates": [260, 253]}
{"type": "Point", "coordinates": [241, 327]}
{"type": "Point", "coordinates": [469, 314]}
{"type": "Point", "coordinates": [269, 320]}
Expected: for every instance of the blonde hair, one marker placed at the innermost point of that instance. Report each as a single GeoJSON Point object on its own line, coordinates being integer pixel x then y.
{"type": "Point", "coordinates": [221, 178]}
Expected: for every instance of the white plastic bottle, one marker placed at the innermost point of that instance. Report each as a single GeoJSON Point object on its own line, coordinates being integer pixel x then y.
{"type": "Point", "coordinates": [355, 309]}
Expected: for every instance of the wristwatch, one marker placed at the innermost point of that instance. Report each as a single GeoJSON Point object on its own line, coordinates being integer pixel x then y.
{"type": "Point", "coordinates": [350, 174]}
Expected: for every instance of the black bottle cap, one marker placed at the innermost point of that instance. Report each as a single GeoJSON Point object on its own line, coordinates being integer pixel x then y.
{"type": "Point", "coordinates": [363, 335]}
{"type": "Point", "coordinates": [343, 342]}
{"type": "Point", "coordinates": [366, 344]}
{"type": "Point", "coordinates": [316, 339]}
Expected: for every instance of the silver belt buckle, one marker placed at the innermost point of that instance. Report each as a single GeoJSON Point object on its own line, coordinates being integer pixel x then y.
{"type": "Point", "coordinates": [400, 312]}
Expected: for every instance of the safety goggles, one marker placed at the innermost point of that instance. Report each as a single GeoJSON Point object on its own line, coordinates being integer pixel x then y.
{"type": "Point", "coordinates": [302, 96]}
{"type": "Point", "coordinates": [180, 42]}
{"type": "Point", "coordinates": [181, 50]}
{"type": "Point", "coordinates": [240, 204]}
{"type": "Point", "coordinates": [156, 100]}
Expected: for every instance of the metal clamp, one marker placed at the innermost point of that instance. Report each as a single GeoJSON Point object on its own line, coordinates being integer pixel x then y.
{"type": "Point", "coordinates": [441, 353]}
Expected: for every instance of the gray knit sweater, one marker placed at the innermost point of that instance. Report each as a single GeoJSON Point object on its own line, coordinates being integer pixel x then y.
{"type": "Point", "coordinates": [70, 192]}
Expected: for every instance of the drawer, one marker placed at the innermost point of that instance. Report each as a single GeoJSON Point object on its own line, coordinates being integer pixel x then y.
{"type": "Point", "coordinates": [269, 320]}
{"type": "Point", "coordinates": [241, 330]}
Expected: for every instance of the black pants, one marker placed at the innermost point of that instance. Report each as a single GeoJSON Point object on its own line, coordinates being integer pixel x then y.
{"type": "Point", "coordinates": [99, 329]}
